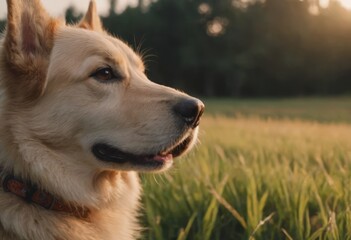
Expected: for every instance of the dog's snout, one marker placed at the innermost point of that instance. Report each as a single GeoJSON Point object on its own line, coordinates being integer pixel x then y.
{"type": "Point", "coordinates": [190, 110]}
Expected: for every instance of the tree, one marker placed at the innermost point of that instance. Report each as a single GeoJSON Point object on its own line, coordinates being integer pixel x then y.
{"type": "Point", "coordinates": [113, 4]}
{"type": "Point", "coordinates": [222, 48]}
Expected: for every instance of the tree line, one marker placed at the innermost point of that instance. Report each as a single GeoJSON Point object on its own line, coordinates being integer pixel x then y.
{"type": "Point", "coordinates": [237, 48]}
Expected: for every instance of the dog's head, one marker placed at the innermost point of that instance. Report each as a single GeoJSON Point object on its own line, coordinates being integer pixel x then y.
{"type": "Point", "coordinates": [81, 92]}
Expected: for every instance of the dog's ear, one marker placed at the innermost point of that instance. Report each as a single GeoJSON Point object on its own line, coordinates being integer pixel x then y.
{"type": "Point", "coordinates": [30, 30]}
{"type": "Point", "coordinates": [91, 20]}
{"type": "Point", "coordinates": [28, 42]}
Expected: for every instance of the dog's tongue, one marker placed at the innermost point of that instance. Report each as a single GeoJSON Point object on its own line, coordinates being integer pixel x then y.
{"type": "Point", "coordinates": [163, 158]}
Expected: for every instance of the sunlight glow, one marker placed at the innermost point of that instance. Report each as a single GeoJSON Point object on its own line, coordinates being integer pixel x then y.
{"type": "Point", "coordinates": [313, 9]}
{"type": "Point", "coordinates": [346, 4]}
{"type": "Point", "coordinates": [324, 3]}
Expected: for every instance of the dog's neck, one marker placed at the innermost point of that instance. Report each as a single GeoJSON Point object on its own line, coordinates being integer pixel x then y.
{"type": "Point", "coordinates": [33, 195]}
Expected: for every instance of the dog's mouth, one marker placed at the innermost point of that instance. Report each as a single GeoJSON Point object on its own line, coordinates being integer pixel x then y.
{"type": "Point", "coordinates": [108, 153]}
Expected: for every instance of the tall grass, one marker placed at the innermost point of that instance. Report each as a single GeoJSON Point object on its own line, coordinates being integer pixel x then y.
{"type": "Point", "coordinates": [255, 178]}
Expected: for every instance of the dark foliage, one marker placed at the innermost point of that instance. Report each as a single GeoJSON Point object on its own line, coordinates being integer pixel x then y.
{"type": "Point", "coordinates": [217, 48]}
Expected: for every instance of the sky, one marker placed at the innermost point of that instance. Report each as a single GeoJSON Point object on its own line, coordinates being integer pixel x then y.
{"type": "Point", "coordinates": [58, 7]}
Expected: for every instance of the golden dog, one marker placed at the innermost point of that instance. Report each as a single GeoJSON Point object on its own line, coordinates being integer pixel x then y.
{"type": "Point", "coordinates": [78, 120]}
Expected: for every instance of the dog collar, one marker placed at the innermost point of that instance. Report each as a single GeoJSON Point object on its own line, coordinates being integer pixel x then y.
{"type": "Point", "coordinates": [31, 194]}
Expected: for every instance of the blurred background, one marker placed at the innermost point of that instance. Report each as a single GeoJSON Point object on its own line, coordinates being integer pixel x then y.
{"type": "Point", "coordinates": [274, 156]}
{"type": "Point", "coordinates": [234, 48]}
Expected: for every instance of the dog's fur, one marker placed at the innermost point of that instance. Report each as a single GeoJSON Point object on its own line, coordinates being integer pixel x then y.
{"type": "Point", "coordinates": [54, 109]}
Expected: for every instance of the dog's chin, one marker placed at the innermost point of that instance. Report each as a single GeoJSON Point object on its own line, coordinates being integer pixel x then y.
{"type": "Point", "coordinates": [157, 161]}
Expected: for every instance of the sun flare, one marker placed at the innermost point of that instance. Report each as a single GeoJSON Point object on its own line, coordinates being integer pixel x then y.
{"type": "Point", "coordinates": [346, 4]}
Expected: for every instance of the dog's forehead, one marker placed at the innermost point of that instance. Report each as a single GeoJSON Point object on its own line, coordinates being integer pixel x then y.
{"type": "Point", "coordinates": [82, 43]}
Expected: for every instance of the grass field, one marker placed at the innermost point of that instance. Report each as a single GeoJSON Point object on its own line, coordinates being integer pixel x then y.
{"type": "Point", "coordinates": [273, 169]}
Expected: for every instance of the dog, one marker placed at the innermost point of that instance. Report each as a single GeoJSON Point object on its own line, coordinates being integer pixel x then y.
{"type": "Point", "coordinates": [79, 119]}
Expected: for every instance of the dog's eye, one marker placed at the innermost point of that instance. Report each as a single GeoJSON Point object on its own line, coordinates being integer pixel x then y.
{"type": "Point", "coordinates": [105, 75]}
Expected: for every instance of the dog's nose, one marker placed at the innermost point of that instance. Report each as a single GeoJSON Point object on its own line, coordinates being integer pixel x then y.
{"type": "Point", "coordinates": [190, 110]}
